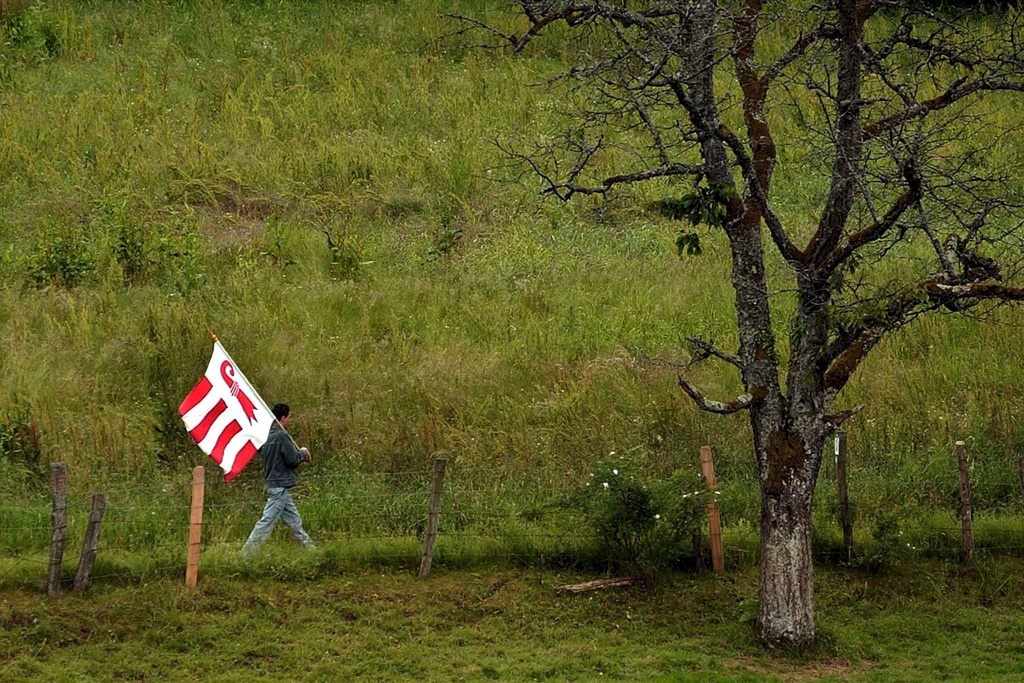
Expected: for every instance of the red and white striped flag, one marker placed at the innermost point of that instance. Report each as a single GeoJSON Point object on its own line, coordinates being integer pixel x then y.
{"type": "Point", "coordinates": [225, 415]}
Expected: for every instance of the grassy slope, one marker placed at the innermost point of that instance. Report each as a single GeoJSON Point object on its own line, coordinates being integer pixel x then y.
{"type": "Point", "coordinates": [930, 622]}
{"type": "Point", "coordinates": [230, 135]}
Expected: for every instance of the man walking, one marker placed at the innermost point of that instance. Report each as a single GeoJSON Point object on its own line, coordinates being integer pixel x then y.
{"type": "Point", "coordinates": [281, 457]}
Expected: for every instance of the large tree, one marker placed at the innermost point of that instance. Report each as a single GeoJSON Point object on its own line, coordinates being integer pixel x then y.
{"type": "Point", "coordinates": [910, 217]}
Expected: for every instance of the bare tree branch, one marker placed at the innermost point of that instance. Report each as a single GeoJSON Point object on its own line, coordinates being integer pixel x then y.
{"type": "Point", "coordinates": [608, 183]}
{"type": "Point", "coordinates": [781, 239]}
{"type": "Point", "coordinates": [741, 402]}
{"type": "Point", "coordinates": [846, 354]}
{"type": "Point", "coordinates": [958, 90]}
{"type": "Point", "coordinates": [708, 349]}
{"type": "Point", "coordinates": [799, 48]}
{"type": "Point", "coordinates": [835, 420]}
{"type": "Point", "coordinates": [848, 140]}
{"type": "Point", "coordinates": [879, 229]}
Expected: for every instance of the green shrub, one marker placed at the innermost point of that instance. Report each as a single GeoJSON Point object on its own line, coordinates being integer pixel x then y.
{"type": "Point", "coordinates": [180, 249]}
{"type": "Point", "coordinates": [447, 241]}
{"type": "Point", "coordinates": [683, 500]}
{"type": "Point", "coordinates": [132, 246]}
{"type": "Point", "coordinates": [20, 440]}
{"type": "Point", "coordinates": [274, 248]}
{"type": "Point", "coordinates": [888, 547]}
{"type": "Point", "coordinates": [40, 32]}
{"type": "Point", "coordinates": [131, 252]}
{"type": "Point", "coordinates": [644, 525]}
{"type": "Point", "coordinates": [346, 255]}
{"type": "Point", "coordinates": [61, 256]}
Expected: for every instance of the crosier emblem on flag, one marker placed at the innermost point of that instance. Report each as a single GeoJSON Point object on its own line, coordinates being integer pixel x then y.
{"type": "Point", "coordinates": [225, 415]}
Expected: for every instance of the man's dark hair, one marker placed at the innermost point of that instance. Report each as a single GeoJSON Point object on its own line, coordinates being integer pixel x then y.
{"type": "Point", "coordinates": [281, 411]}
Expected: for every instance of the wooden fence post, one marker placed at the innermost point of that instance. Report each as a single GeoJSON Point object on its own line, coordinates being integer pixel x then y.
{"type": "Point", "coordinates": [1020, 473]}
{"type": "Point", "coordinates": [92, 542]}
{"type": "Point", "coordinates": [714, 521]}
{"type": "Point", "coordinates": [434, 509]}
{"type": "Point", "coordinates": [965, 501]}
{"type": "Point", "coordinates": [845, 519]}
{"type": "Point", "coordinates": [59, 495]}
{"type": "Point", "coordinates": [195, 529]}
{"type": "Point", "coordinates": [10, 7]}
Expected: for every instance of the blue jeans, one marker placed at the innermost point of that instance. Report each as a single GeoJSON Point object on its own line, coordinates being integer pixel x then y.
{"type": "Point", "coordinates": [279, 505]}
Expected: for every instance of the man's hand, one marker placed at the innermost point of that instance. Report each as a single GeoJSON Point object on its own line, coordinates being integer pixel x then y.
{"type": "Point", "coordinates": [306, 451]}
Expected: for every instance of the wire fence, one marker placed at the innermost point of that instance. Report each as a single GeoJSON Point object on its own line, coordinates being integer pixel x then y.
{"type": "Point", "coordinates": [382, 518]}
{"type": "Point", "coordinates": [357, 518]}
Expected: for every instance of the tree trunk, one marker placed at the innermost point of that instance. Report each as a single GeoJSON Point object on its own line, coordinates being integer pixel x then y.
{"type": "Point", "coordinates": [786, 614]}
{"type": "Point", "coordinates": [786, 611]}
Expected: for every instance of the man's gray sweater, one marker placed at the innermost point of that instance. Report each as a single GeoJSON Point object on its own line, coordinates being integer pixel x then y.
{"type": "Point", "coordinates": [280, 458]}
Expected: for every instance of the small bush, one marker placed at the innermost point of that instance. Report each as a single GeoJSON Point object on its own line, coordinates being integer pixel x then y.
{"type": "Point", "coordinates": [131, 252]}
{"type": "Point", "coordinates": [61, 256]}
{"type": "Point", "coordinates": [180, 249]}
{"type": "Point", "coordinates": [447, 242]}
{"type": "Point", "coordinates": [274, 249]}
{"type": "Point", "coordinates": [346, 255]}
{"type": "Point", "coordinates": [645, 525]}
{"type": "Point", "coordinates": [20, 440]}
{"type": "Point", "coordinates": [132, 247]}
{"type": "Point", "coordinates": [40, 33]}
{"type": "Point", "coordinates": [888, 547]}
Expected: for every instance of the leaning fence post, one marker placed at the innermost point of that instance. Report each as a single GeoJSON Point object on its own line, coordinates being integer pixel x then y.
{"type": "Point", "coordinates": [845, 519]}
{"type": "Point", "coordinates": [714, 521]}
{"type": "Point", "coordinates": [92, 542]}
{"type": "Point", "coordinates": [195, 529]}
{"type": "Point", "coordinates": [59, 495]}
{"type": "Point", "coordinates": [965, 501]}
{"type": "Point", "coordinates": [434, 509]}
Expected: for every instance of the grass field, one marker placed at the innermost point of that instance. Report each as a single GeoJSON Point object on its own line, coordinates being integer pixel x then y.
{"type": "Point", "coordinates": [317, 183]}
{"type": "Point", "coordinates": [930, 622]}
{"type": "Point", "coordinates": [169, 169]}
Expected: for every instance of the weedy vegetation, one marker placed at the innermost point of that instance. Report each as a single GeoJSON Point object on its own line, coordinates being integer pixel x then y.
{"type": "Point", "coordinates": [318, 183]}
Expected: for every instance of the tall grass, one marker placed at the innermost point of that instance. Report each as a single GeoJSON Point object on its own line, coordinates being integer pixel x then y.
{"type": "Point", "coordinates": [167, 169]}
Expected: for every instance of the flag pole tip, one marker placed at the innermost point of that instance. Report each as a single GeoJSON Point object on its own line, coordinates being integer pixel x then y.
{"type": "Point", "coordinates": [212, 336]}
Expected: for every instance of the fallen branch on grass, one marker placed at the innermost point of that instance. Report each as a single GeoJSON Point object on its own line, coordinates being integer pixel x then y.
{"type": "Point", "coordinates": [597, 585]}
